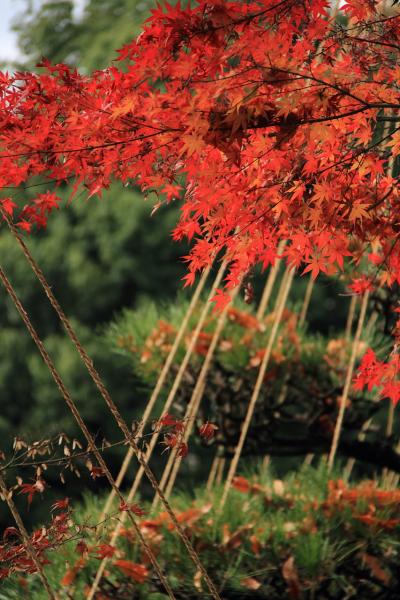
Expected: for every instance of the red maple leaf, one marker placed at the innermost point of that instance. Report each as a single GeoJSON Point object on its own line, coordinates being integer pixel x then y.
{"type": "Point", "coordinates": [221, 300]}
{"type": "Point", "coordinates": [207, 430]}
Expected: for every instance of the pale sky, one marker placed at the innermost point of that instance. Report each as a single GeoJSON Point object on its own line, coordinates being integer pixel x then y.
{"type": "Point", "coordinates": [8, 44]}
{"type": "Point", "coordinates": [9, 9]}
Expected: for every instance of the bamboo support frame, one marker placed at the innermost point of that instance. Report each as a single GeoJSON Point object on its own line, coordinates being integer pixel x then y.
{"type": "Point", "coordinates": [349, 376]}
{"type": "Point", "coordinates": [156, 391]}
{"type": "Point", "coordinates": [167, 405]}
{"type": "Point", "coordinates": [280, 304]}
{"type": "Point", "coordinates": [194, 403]}
{"type": "Point", "coordinates": [265, 297]}
{"type": "Point", "coordinates": [111, 405]}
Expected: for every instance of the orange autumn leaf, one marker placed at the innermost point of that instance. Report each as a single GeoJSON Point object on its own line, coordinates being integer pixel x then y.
{"type": "Point", "coordinates": [250, 583]}
{"type": "Point", "coordinates": [72, 572]}
{"type": "Point", "coordinates": [241, 484]}
{"type": "Point", "coordinates": [135, 571]}
{"type": "Point", "coordinates": [291, 576]}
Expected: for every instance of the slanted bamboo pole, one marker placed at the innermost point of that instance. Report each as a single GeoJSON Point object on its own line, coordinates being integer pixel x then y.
{"type": "Point", "coordinates": [270, 283]}
{"type": "Point", "coordinates": [220, 471]}
{"type": "Point", "coordinates": [349, 377]}
{"type": "Point", "coordinates": [213, 471]}
{"type": "Point", "coordinates": [167, 405]}
{"type": "Point", "coordinates": [156, 391]}
{"type": "Point", "coordinates": [279, 307]}
{"type": "Point", "coordinates": [306, 301]}
{"type": "Point", "coordinates": [111, 405]}
{"type": "Point", "coordinates": [350, 318]}
{"type": "Point", "coordinates": [361, 437]}
{"type": "Point", "coordinates": [194, 403]}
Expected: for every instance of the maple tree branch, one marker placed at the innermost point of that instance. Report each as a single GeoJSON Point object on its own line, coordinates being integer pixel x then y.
{"type": "Point", "coordinates": [389, 118]}
{"type": "Point", "coordinates": [375, 42]}
{"type": "Point", "coordinates": [292, 121]}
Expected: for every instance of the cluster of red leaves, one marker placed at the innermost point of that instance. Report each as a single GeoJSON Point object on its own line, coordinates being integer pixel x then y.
{"type": "Point", "coordinates": [266, 117]}
{"type": "Point", "coordinates": [175, 437]}
{"type": "Point", "coordinates": [159, 342]}
{"type": "Point", "coordinates": [31, 489]}
{"type": "Point", "coordinates": [160, 339]}
{"type": "Point", "coordinates": [366, 502]}
{"type": "Point", "coordinates": [152, 532]}
{"type": "Point", "coordinates": [136, 571]}
{"type": "Point", "coordinates": [380, 374]}
{"type": "Point", "coordinates": [267, 112]}
{"type": "Point", "coordinates": [14, 557]}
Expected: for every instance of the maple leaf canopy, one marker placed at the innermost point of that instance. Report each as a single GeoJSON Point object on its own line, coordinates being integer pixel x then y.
{"type": "Point", "coordinates": [269, 120]}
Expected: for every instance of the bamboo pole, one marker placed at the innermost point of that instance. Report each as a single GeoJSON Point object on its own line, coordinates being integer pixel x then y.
{"type": "Point", "coordinates": [349, 322]}
{"type": "Point", "coordinates": [350, 318]}
{"type": "Point", "coordinates": [220, 472]}
{"type": "Point", "coordinates": [387, 474]}
{"type": "Point", "coordinates": [285, 287]}
{"type": "Point", "coordinates": [176, 463]}
{"type": "Point", "coordinates": [195, 400]}
{"type": "Point", "coordinates": [302, 318]}
{"type": "Point", "coordinates": [270, 283]}
{"type": "Point", "coordinates": [268, 290]}
{"type": "Point", "coordinates": [306, 301]}
{"type": "Point", "coordinates": [213, 472]}
{"type": "Point", "coordinates": [167, 405]}
{"type": "Point", "coordinates": [361, 437]}
{"type": "Point", "coordinates": [156, 391]}
{"type": "Point", "coordinates": [349, 376]}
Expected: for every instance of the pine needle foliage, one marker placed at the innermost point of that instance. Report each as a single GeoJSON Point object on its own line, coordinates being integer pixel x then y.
{"type": "Point", "coordinates": [311, 534]}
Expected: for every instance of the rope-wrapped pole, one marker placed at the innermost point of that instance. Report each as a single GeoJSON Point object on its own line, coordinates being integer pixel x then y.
{"type": "Point", "coordinates": [30, 549]}
{"type": "Point", "coordinates": [74, 410]}
{"type": "Point", "coordinates": [129, 436]}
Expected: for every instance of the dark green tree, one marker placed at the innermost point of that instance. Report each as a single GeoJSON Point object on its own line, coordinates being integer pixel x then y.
{"type": "Point", "coordinates": [98, 261]}
{"type": "Point", "coordinates": [89, 40]}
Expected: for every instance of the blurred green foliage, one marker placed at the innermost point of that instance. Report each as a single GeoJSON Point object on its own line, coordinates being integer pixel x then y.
{"type": "Point", "coordinates": [99, 255]}
{"type": "Point", "coordinates": [300, 522]}
{"type": "Point", "coordinates": [88, 38]}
